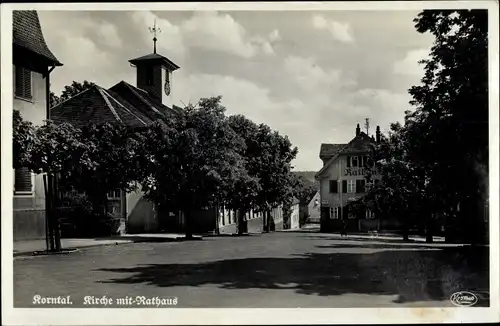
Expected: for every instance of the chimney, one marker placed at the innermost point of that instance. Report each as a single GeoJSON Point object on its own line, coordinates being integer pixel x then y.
{"type": "Point", "coordinates": [358, 130]}
{"type": "Point", "coordinates": [377, 134]}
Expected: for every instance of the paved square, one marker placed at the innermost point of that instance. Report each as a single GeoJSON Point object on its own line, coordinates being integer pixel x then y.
{"type": "Point", "coordinates": [283, 269]}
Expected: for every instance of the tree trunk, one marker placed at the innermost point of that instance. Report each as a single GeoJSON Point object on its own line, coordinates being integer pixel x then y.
{"type": "Point", "coordinates": [48, 214]}
{"type": "Point", "coordinates": [187, 224]}
{"type": "Point", "coordinates": [406, 230]}
{"type": "Point", "coordinates": [428, 229]}
{"type": "Point", "coordinates": [264, 218]}
{"type": "Point", "coordinates": [268, 222]}
{"type": "Point", "coordinates": [217, 220]}
{"type": "Point", "coordinates": [55, 217]}
{"type": "Point", "coordinates": [239, 224]}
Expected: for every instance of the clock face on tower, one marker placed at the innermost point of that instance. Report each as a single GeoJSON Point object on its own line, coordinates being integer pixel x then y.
{"type": "Point", "coordinates": [167, 84]}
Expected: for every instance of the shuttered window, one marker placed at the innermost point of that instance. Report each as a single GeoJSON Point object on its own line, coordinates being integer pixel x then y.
{"type": "Point", "coordinates": [23, 182]}
{"type": "Point", "coordinates": [344, 186]}
{"type": "Point", "coordinates": [334, 186]}
{"type": "Point", "coordinates": [23, 83]}
{"type": "Point", "coordinates": [354, 160]}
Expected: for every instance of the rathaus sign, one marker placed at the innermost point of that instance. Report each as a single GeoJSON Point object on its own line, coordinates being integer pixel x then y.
{"type": "Point", "coordinates": [355, 171]}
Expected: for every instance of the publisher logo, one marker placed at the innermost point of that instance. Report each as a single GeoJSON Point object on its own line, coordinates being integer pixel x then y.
{"type": "Point", "coordinates": [463, 299]}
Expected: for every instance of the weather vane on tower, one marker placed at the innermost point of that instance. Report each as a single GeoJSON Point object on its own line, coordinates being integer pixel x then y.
{"type": "Point", "coordinates": [154, 30]}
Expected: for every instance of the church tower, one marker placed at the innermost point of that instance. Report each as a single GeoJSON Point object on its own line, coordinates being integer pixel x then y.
{"type": "Point", "coordinates": [155, 73]}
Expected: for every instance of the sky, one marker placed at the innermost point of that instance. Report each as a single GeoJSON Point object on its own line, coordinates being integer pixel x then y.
{"type": "Point", "coordinates": [311, 75]}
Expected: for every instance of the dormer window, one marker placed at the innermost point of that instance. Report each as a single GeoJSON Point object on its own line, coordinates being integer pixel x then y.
{"type": "Point", "coordinates": [354, 160]}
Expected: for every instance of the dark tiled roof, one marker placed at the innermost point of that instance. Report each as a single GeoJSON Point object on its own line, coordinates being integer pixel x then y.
{"type": "Point", "coordinates": [330, 150]}
{"type": "Point", "coordinates": [143, 101]}
{"type": "Point", "coordinates": [27, 33]}
{"type": "Point", "coordinates": [98, 105]}
{"type": "Point", "coordinates": [360, 143]}
{"type": "Point", "coordinates": [155, 57]}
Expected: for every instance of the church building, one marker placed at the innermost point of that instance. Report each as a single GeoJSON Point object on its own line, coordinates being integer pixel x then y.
{"type": "Point", "coordinates": [136, 106]}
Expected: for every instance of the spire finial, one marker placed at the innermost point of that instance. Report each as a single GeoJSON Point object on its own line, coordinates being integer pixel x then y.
{"type": "Point", "coordinates": [367, 125]}
{"type": "Point", "coordinates": [154, 30]}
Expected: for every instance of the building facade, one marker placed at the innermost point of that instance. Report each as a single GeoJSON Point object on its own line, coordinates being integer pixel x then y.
{"type": "Point", "coordinates": [343, 180]}
{"type": "Point", "coordinates": [32, 64]}
{"type": "Point", "coordinates": [311, 212]}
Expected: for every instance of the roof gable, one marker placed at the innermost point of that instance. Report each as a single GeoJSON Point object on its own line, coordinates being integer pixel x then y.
{"type": "Point", "coordinates": [143, 101]}
{"type": "Point", "coordinates": [330, 150]}
{"type": "Point", "coordinates": [97, 105]}
{"type": "Point", "coordinates": [360, 143]}
{"type": "Point", "coordinates": [316, 196]}
{"type": "Point", "coordinates": [27, 34]}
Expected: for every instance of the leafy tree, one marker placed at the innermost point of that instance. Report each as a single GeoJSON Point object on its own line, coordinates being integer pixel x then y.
{"type": "Point", "coordinates": [243, 196]}
{"type": "Point", "coordinates": [275, 154]}
{"type": "Point", "coordinates": [23, 140]}
{"type": "Point", "coordinates": [306, 190]}
{"type": "Point", "coordinates": [54, 99]}
{"type": "Point", "coordinates": [438, 161]}
{"type": "Point", "coordinates": [401, 191]}
{"type": "Point", "coordinates": [71, 90]}
{"type": "Point", "coordinates": [193, 160]}
{"type": "Point", "coordinates": [449, 127]}
{"type": "Point", "coordinates": [93, 160]}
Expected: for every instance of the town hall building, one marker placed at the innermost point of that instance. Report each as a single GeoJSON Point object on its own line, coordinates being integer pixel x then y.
{"type": "Point", "coordinates": [343, 180]}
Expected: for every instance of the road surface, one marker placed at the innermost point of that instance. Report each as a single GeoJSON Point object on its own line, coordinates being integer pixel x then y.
{"type": "Point", "coordinates": [277, 270]}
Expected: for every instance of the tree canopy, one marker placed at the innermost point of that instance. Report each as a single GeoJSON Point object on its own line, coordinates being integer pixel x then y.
{"type": "Point", "coordinates": [438, 160]}
{"type": "Point", "coordinates": [69, 91]}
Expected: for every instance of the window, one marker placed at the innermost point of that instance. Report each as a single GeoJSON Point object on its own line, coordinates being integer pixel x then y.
{"type": "Point", "coordinates": [334, 212]}
{"type": "Point", "coordinates": [344, 186]}
{"type": "Point", "coordinates": [24, 182]}
{"type": "Point", "coordinates": [149, 75]}
{"type": "Point", "coordinates": [114, 194]}
{"type": "Point", "coordinates": [348, 158]}
{"type": "Point", "coordinates": [354, 160]}
{"type": "Point", "coordinates": [351, 186]}
{"type": "Point", "coordinates": [23, 83]}
{"type": "Point", "coordinates": [360, 186]}
{"type": "Point", "coordinates": [369, 214]}
{"type": "Point", "coordinates": [334, 186]}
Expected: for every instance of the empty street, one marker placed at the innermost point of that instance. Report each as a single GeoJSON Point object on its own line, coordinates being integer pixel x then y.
{"type": "Point", "coordinates": [283, 269]}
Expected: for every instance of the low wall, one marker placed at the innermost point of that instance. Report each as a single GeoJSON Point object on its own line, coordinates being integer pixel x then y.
{"type": "Point", "coordinates": [28, 224]}
{"type": "Point", "coordinates": [360, 225]}
{"type": "Point", "coordinates": [253, 225]}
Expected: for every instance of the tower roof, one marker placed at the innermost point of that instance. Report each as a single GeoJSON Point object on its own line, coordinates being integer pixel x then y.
{"type": "Point", "coordinates": [155, 58]}
{"type": "Point", "coordinates": [27, 34]}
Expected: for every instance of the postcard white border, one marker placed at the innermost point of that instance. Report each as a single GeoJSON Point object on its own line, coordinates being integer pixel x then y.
{"type": "Point", "coordinates": [197, 316]}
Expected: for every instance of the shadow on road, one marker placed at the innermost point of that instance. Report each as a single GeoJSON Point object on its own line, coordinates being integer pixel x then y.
{"type": "Point", "coordinates": [412, 275]}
